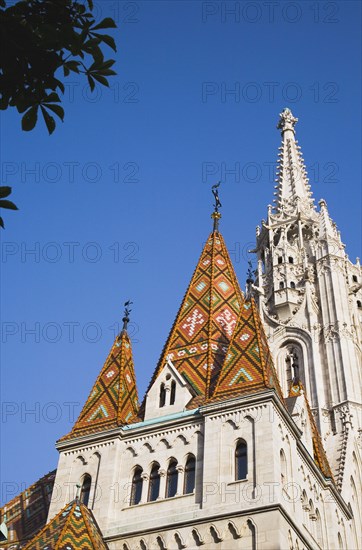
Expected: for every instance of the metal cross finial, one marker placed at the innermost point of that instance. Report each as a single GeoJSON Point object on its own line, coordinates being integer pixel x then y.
{"type": "Point", "coordinates": [127, 311]}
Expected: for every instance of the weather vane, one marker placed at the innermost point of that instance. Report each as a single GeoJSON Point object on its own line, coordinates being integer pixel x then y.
{"type": "Point", "coordinates": [215, 192]}
{"type": "Point", "coordinates": [127, 311]}
{"type": "Point", "coordinates": [216, 214]}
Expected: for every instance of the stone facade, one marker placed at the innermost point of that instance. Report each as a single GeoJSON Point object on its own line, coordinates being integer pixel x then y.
{"type": "Point", "coordinates": [221, 454]}
{"type": "Point", "coordinates": [309, 297]}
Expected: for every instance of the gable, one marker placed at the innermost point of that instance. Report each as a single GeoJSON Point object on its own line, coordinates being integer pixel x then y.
{"type": "Point", "coordinates": [168, 394]}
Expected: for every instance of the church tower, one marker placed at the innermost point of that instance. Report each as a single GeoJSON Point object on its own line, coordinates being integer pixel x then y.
{"type": "Point", "coordinates": [217, 455]}
{"type": "Point", "coordinates": [310, 299]}
{"type": "Point", "coordinates": [228, 448]}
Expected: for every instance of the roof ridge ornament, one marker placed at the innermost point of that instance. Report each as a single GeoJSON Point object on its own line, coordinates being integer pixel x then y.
{"type": "Point", "coordinates": [287, 121]}
{"type": "Point", "coordinates": [216, 214]}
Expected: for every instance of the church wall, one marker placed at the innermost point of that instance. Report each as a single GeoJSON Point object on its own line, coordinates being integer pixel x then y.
{"type": "Point", "coordinates": [211, 437]}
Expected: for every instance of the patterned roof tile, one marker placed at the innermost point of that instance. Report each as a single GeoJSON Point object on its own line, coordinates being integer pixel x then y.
{"type": "Point", "coordinates": [206, 319]}
{"type": "Point", "coordinates": [248, 365]}
{"type": "Point", "coordinates": [113, 400]}
{"type": "Point", "coordinates": [72, 528]}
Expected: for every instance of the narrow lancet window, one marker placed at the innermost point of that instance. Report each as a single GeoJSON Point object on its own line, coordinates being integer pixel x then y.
{"type": "Point", "coordinates": [136, 491]}
{"type": "Point", "coordinates": [162, 395]}
{"type": "Point", "coordinates": [241, 460]}
{"type": "Point", "coordinates": [154, 486]}
{"type": "Point", "coordinates": [172, 475]}
{"type": "Point", "coordinates": [173, 392]}
{"type": "Point", "coordinates": [189, 482]}
{"type": "Point", "coordinates": [85, 491]}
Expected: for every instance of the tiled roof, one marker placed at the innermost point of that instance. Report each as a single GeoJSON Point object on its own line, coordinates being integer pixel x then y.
{"type": "Point", "coordinates": [113, 400]}
{"type": "Point", "coordinates": [74, 527]}
{"type": "Point", "coordinates": [248, 365]}
{"type": "Point", "coordinates": [320, 456]}
{"type": "Point", "coordinates": [206, 320]}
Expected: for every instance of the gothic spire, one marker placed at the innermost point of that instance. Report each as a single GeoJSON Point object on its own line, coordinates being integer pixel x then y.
{"type": "Point", "coordinates": [204, 325]}
{"type": "Point", "coordinates": [292, 189]}
{"type": "Point", "coordinates": [113, 400]}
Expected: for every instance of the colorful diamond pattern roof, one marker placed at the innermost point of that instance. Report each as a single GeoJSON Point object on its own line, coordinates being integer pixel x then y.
{"type": "Point", "coordinates": [72, 528]}
{"type": "Point", "coordinates": [320, 456]}
{"type": "Point", "coordinates": [248, 365]}
{"type": "Point", "coordinates": [206, 320]}
{"type": "Point", "coordinates": [113, 400]}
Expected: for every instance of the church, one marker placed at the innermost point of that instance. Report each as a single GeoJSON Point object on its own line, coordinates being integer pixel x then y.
{"type": "Point", "coordinates": [247, 437]}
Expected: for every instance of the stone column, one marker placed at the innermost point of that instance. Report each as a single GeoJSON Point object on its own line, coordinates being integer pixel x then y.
{"type": "Point", "coordinates": [145, 478]}
{"type": "Point", "coordinates": [162, 491]}
{"type": "Point", "coordinates": [180, 479]}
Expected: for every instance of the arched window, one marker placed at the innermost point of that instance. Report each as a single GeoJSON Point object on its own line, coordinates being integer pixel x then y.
{"type": "Point", "coordinates": [189, 481]}
{"type": "Point", "coordinates": [354, 278]}
{"type": "Point", "coordinates": [359, 304]}
{"type": "Point", "coordinates": [280, 260]}
{"type": "Point", "coordinates": [154, 486]}
{"type": "Point", "coordinates": [283, 467]}
{"type": "Point", "coordinates": [281, 285]}
{"type": "Point", "coordinates": [291, 260]}
{"type": "Point", "coordinates": [241, 460]}
{"type": "Point", "coordinates": [137, 482]}
{"type": "Point", "coordinates": [173, 392]}
{"type": "Point", "coordinates": [85, 491]}
{"type": "Point", "coordinates": [162, 395]}
{"type": "Point", "coordinates": [171, 482]}
{"type": "Point", "coordinates": [292, 284]}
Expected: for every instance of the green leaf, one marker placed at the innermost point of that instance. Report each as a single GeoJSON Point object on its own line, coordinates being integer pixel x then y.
{"type": "Point", "coordinates": [101, 79]}
{"type": "Point", "coordinates": [2, 223]}
{"type": "Point", "coordinates": [73, 66]}
{"type": "Point", "coordinates": [4, 192]}
{"type": "Point", "coordinates": [30, 119]}
{"type": "Point", "coordinates": [91, 83]}
{"type": "Point", "coordinates": [108, 63]}
{"type": "Point", "coordinates": [109, 40]}
{"type": "Point", "coordinates": [107, 23]}
{"type": "Point", "coordinates": [106, 72]}
{"type": "Point", "coordinates": [103, 65]}
{"type": "Point", "coordinates": [8, 205]}
{"type": "Point", "coordinates": [57, 109]}
{"type": "Point", "coordinates": [49, 120]}
{"type": "Point", "coordinates": [53, 97]}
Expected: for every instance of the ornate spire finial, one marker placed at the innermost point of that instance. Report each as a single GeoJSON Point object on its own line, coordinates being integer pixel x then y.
{"type": "Point", "coordinates": [216, 214]}
{"type": "Point", "coordinates": [249, 281]}
{"type": "Point", "coordinates": [287, 121]}
{"type": "Point", "coordinates": [125, 319]}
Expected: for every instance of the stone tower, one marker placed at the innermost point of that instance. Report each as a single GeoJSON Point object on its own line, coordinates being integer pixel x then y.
{"type": "Point", "coordinates": [226, 451]}
{"type": "Point", "coordinates": [310, 299]}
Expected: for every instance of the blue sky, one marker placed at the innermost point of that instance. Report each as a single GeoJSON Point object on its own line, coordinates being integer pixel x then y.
{"type": "Point", "coordinates": [116, 203]}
